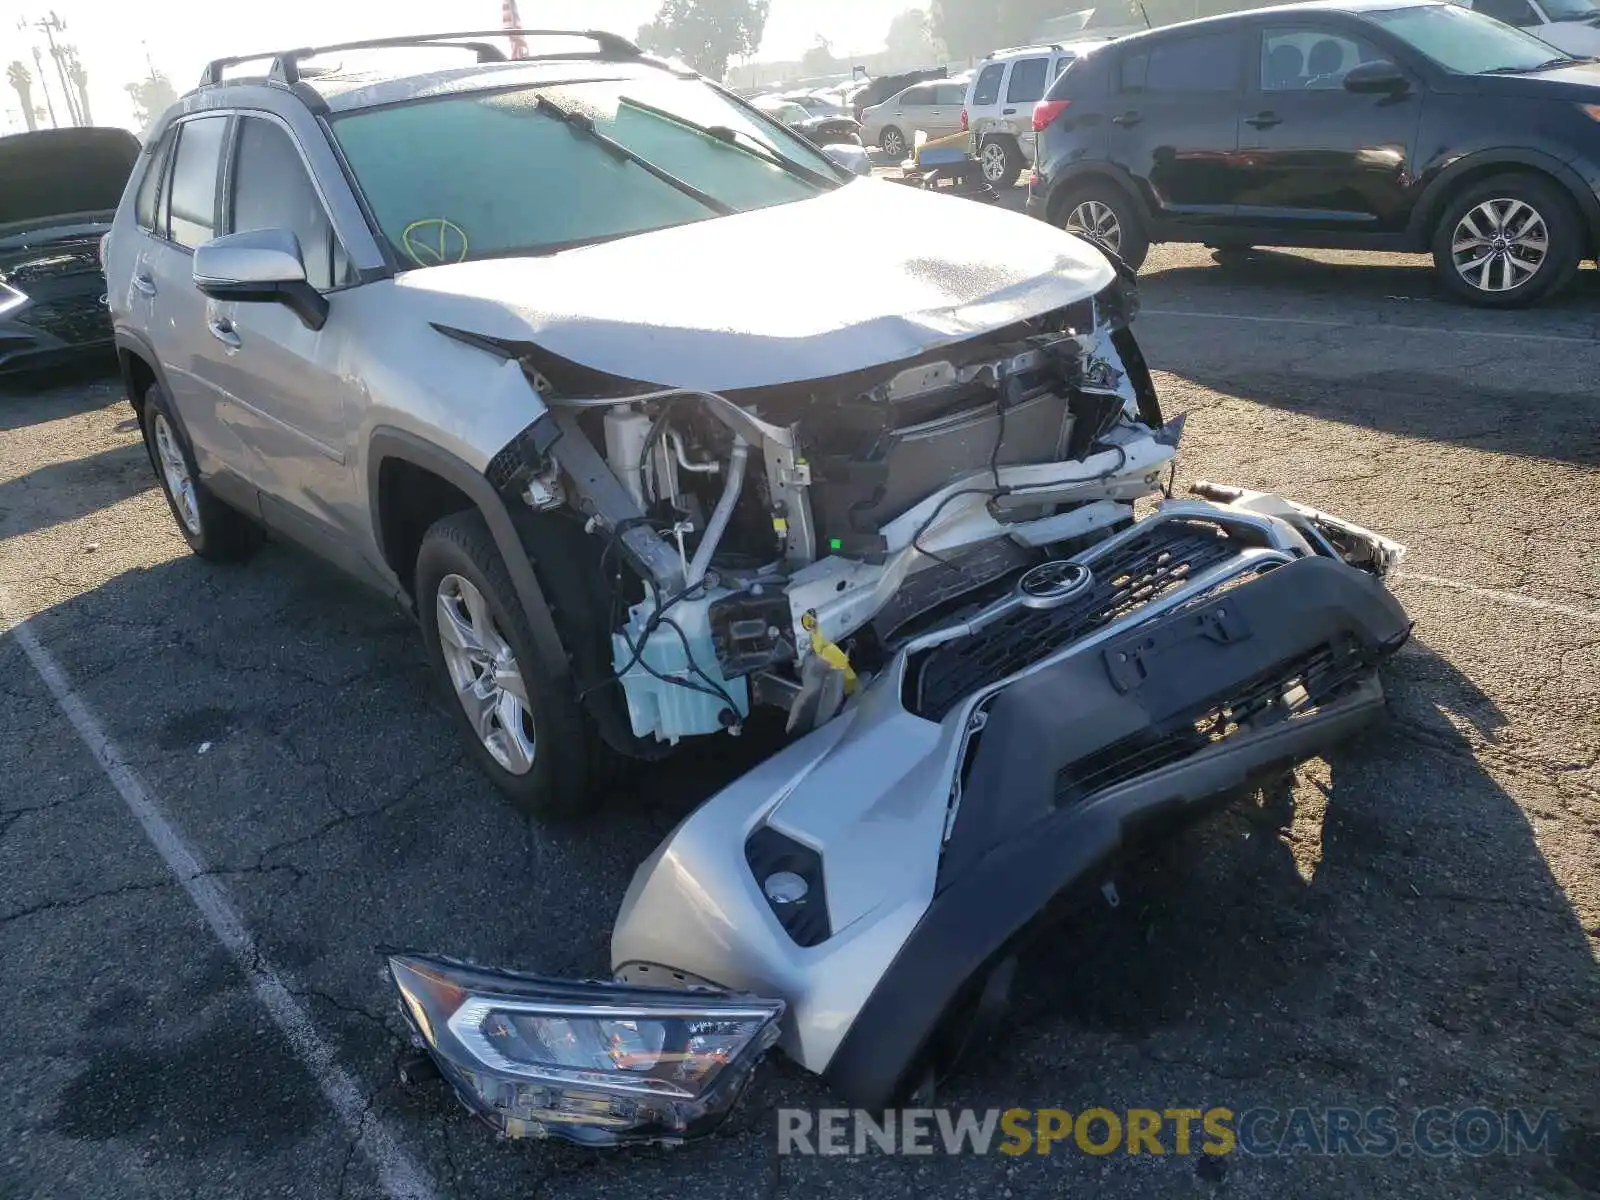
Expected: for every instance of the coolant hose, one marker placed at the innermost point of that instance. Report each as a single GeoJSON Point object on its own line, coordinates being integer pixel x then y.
{"type": "Point", "coordinates": [721, 515]}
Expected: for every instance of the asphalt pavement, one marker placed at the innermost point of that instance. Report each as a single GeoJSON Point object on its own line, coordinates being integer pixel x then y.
{"type": "Point", "coordinates": [223, 789]}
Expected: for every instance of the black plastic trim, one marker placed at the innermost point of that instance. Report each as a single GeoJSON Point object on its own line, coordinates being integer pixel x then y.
{"type": "Point", "coordinates": [385, 443]}
{"type": "Point", "coordinates": [1013, 849]}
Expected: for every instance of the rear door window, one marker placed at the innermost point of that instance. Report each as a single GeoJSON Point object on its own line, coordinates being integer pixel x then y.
{"type": "Point", "coordinates": [1198, 64]}
{"type": "Point", "coordinates": [916, 97]}
{"type": "Point", "coordinates": [192, 209]}
{"type": "Point", "coordinates": [987, 88]}
{"type": "Point", "coordinates": [145, 203]}
{"type": "Point", "coordinates": [1027, 80]}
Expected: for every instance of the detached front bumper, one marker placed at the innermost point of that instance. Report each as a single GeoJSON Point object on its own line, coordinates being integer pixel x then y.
{"type": "Point", "coordinates": [867, 874]}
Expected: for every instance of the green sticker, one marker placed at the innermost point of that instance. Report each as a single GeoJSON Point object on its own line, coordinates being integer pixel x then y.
{"type": "Point", "coordinates": [835, 544]}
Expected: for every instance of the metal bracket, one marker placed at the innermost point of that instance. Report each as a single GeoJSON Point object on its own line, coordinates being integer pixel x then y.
{"type": "Point", "coordinates": [1128, 662]}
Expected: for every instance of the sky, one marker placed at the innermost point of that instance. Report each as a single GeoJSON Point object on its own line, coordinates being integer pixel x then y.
{"type": "Point", "coordinates": [114, 36]}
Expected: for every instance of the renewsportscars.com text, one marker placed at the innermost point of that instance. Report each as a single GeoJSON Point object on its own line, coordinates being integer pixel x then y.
{"type": "Point", "coordinates": [1375, 1132]}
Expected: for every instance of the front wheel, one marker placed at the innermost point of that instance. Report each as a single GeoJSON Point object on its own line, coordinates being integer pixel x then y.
{"type": "Point", "coordinates": [1507, 242]}
{"type": "Point", "coordinates": [1104, 214]}
{"type": "Point", "coordinates": [525, 732]}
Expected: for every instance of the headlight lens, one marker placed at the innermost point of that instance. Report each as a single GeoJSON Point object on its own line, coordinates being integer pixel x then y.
{"type": "Point", "coordinates": [595, 1063]}
{"type": "Point", "coordinates": [10, 299]}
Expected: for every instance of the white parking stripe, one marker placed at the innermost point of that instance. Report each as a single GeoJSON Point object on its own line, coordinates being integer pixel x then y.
{"type": "Point", "coordinates": [402, 1178]}
{"type": "Point", "coordinates": [1386, 326]}
{"type": "Point", "coordinates": [1511, 598]}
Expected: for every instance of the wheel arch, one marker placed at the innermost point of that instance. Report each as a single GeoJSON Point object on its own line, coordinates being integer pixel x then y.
{"type": "Point", "coordinates": [1485, 164]}
{"type": "Point", "coordinates": [1097, 172]}
{"type": "Point", "coordinates": [139, 367]}
{"type": "Point", "coordinates": [412, 482]}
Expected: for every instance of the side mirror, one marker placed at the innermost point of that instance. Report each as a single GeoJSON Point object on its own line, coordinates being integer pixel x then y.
{"type": "Point", "coordinates": [1376, 79]}
{"type": "Point", "coordinates": [261, 266]}
{"type": "Point", "coordinates": [852, 158]}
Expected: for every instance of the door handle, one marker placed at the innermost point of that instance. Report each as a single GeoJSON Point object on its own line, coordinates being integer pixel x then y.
{"type": "Point", "coordinates": [1008, 112]}
{"type": "Point", "coordinates": [222, 329]}
{"type": "Point", "coordinates": [144, 283]}
{"type": "Point", "coordinates": [1264, 120]}
{"type": "Point", "coordinates": [1127, 120]}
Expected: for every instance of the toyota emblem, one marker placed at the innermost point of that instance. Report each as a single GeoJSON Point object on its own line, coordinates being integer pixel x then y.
{"type": "Point", "coordinates": [1052, 583]}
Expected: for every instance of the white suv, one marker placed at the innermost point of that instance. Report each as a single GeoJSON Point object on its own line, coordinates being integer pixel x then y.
{"type": "Point", "coordinates": [999, 109]}
{"type": "Point", "coordinates": [1570, 25]}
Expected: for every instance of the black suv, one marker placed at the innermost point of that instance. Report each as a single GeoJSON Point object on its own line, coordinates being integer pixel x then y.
{"type": "Point", "coordinates": [1364, 125]}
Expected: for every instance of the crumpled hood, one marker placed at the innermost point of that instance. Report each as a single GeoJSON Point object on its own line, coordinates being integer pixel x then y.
{"type": "Point", "coordinates": [868, 274]}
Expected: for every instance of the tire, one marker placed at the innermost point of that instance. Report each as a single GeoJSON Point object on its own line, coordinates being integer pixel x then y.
{"type": "Point", "coordinates": [213, 530]}
{"type": "Point", "coordinates": [533, 746]}
{"type": "Point", "coordinates": [892, 142]}
{"type": "Point", "coordinates": [1517, 271]}
{"type": "Point", "coordinates": [1001, 159]}
{"type": "Point", "coordinates": [1107, 207]}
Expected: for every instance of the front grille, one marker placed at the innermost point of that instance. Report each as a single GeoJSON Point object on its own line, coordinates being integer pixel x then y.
{"type": "Point", "coordinates": [1165, 555]}
{"type": "Point", "coordinates": [73, 319]}
{"type": "Point", "coordinates": [1290, 690]}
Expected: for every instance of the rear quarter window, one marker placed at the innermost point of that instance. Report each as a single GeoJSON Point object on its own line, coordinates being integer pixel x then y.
{"type": "Point", "coordinates": [145, 203]}
{"type": "Point", "coordinates": [1082, 76]}
{"type": "Point", "coordinates": [986, 88]}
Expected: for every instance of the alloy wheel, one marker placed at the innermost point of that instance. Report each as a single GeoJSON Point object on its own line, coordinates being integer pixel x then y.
{"type": "Point", "coordinates": [892, 143]}
{"type": "Point", "coordinates": [175, 469]}
{"type": "Point", "coordinates": [1098, 221]}
{"type": "Point", "coordinates": [1499, 245]}
{"type": "Point", "coordinates": [995, 162]}
{"type": "Point", "coordinates": [485, 675]}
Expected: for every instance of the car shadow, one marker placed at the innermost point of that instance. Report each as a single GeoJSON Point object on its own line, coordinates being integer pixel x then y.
{"type": "Point", "coordinates": [1363, 277]}
{"type": "Point", "coordinates": [65, 491]}
{"type": "Point", "coordinates": [30, 398]}
{"type": "Point", "coordinates": [1369, 936]}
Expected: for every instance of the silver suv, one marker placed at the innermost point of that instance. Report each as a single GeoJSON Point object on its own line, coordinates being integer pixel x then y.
{"type": "Point", "coordinates": [998, 115]}
{"type": "Point", "coordinates": [553, 351]}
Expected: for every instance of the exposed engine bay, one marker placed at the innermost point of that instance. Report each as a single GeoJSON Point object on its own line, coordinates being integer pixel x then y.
{"type": "Point", "coordinates": [778, 545]}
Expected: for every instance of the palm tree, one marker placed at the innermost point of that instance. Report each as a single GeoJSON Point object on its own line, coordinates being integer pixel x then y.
{"type": "Point", "coordinates": [17, 76]}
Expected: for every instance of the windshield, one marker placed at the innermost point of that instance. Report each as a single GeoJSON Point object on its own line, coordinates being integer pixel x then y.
{"type": "Point", "coordinates": [1466, 42]}
{"type": "Point", "coordinates": [1570, 10]}
{"type": "Point", "coordinates": [485, 174]}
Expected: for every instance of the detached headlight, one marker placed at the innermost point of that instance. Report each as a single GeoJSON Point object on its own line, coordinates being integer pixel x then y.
{"type": "Point", "coordinates": [595, 1063]}
{"type": "Point", "coordinates": [10, 299]}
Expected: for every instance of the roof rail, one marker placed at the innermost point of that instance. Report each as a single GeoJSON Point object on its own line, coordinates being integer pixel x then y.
{"type": "Point", "coordinates": [285, 64]}
{"type": "Point", "coordinates": [1021, 49]}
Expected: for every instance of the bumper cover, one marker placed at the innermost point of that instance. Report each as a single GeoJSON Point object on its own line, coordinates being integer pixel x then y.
{"type": "Point", "coordinates": [1019, 838]}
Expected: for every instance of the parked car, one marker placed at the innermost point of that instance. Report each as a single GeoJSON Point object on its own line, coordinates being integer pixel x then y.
{"type": "Point", "coordinates": [826, 130]}
{"type": "Point", "coordinates": [998, 109]}
{"type": "Point", "coordinates": [1570, 25]}
{"type": "Point", "coordinates": [880, 89]}
{"type": "Point", "coordinates": [1369, 124]}
{"type": "Point", "coordinates": [61, 189]}
{"type": "Point", "coordinates": [556, 353]}
{"type": "Point", "coordinates": [933, 107]}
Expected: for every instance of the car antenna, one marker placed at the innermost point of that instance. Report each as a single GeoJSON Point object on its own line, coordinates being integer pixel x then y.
{"type": "Point", "coordinates": [1139, 4]}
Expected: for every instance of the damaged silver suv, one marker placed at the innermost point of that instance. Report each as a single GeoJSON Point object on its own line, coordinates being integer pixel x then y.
{"type": "Point", "coordinates": [654, 415]}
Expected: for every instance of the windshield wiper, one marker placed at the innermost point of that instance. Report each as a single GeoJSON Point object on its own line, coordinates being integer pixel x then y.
{"type": "Point", "coordinates": [729, 136]}
{"type": "Point", "coordinates": [1547, 65]}
{"type": "Point", "coordinates": [585, 127]}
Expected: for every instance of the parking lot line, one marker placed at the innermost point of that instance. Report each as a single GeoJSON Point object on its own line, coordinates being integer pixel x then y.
{"type": "Point", "coordinates": [1510, 598]}
{"type": "Point", "coordinates": [402, 1178]}
{"type": "Point", "coordinates": [1385, 325]}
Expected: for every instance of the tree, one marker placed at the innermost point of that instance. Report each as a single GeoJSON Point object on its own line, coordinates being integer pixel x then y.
{"type": "Point", "coordinates": [969, 28]}
{"type": "Point", "coordinates": [910, 40]}
{"type": "Point", "coordinates": [21, 81]}
{"type": "Point", "coordinates": [151, 97]}
{"type": "Point", "coordinates": [819, 59]}
{"type": "Point", "coordinates": [706, 33]}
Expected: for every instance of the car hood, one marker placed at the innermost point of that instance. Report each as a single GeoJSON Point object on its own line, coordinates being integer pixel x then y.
{"type": "Point", "coordinates": [1579, 82]}
{"type": "Point", "coordinates": [868, 274]}
{"type": "Point", "coordinates": [63, 175]}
